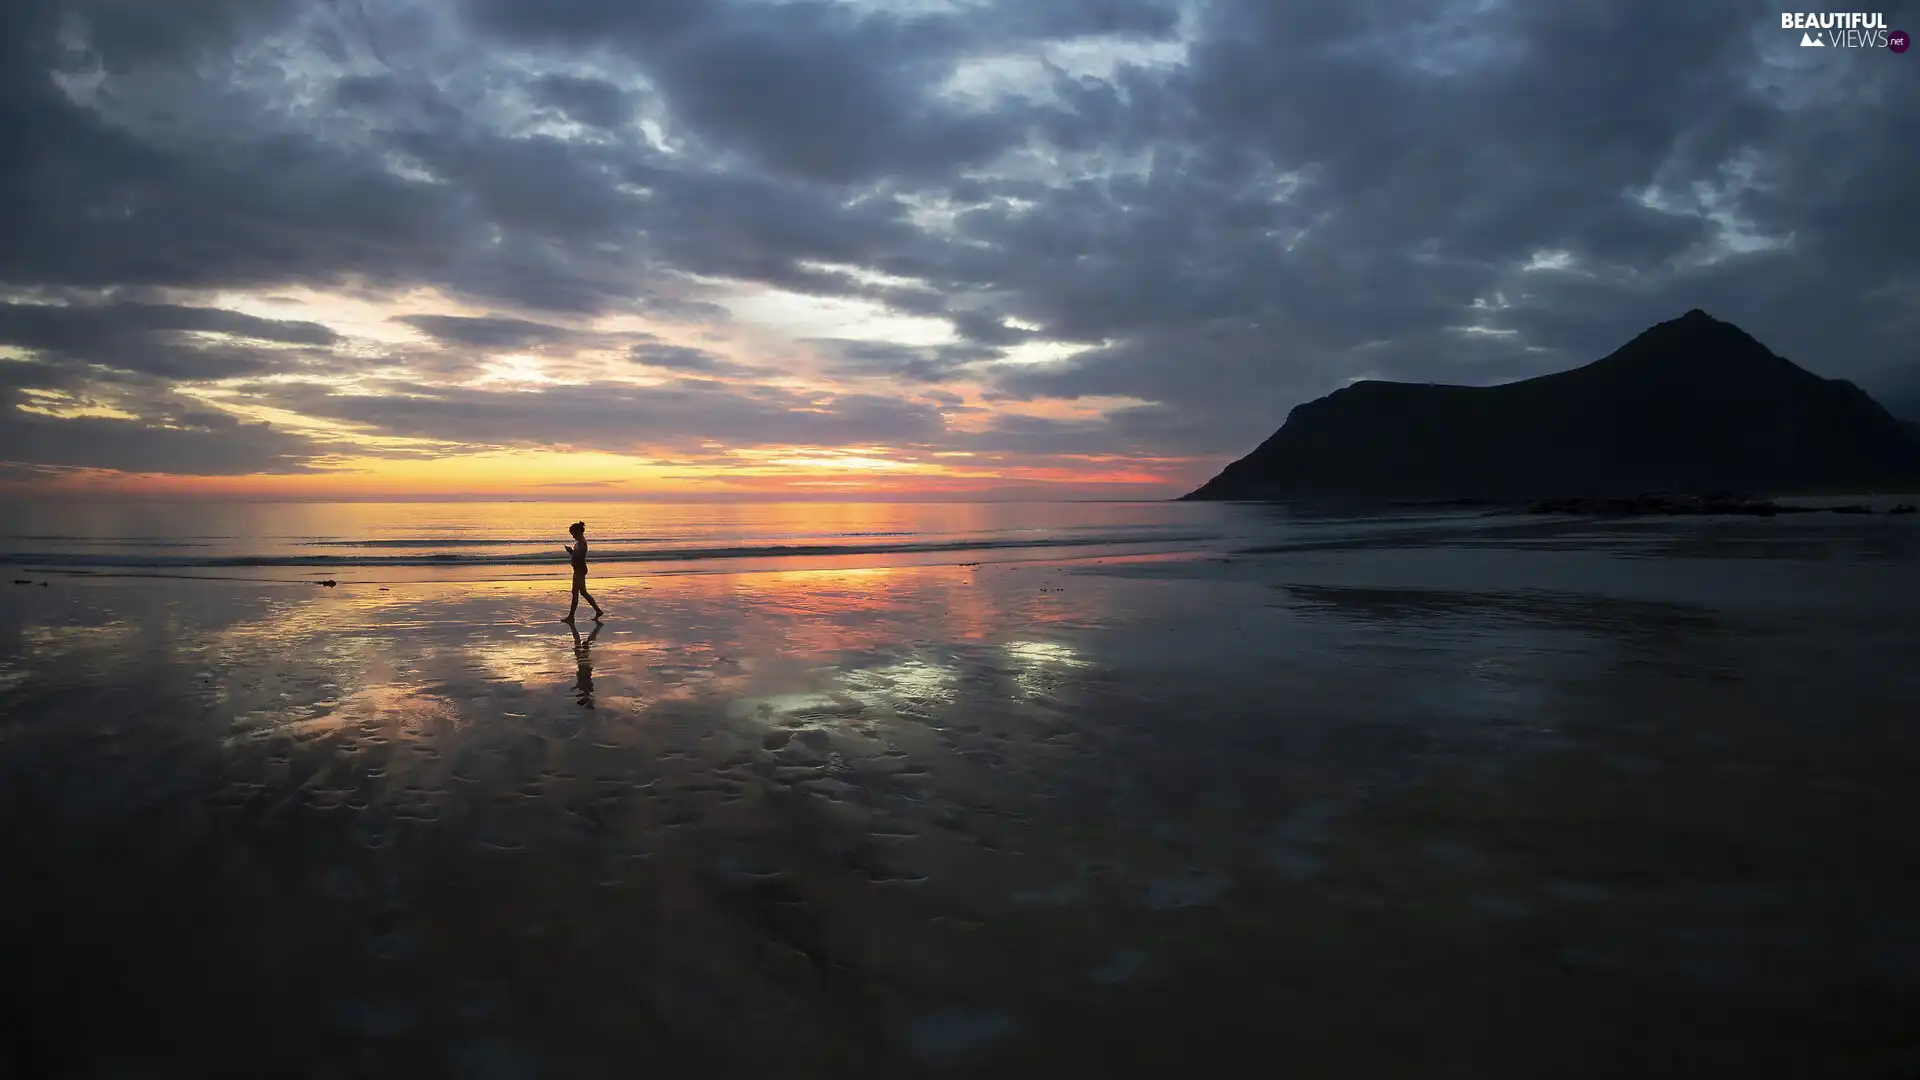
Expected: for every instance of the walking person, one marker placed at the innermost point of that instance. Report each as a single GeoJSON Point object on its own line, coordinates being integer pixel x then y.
{"type": "Point", "coordinates": [578, 550]}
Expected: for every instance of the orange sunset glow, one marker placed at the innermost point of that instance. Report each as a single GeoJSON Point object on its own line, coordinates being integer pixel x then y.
{"type": "Point", "coordinates": [460, 402]}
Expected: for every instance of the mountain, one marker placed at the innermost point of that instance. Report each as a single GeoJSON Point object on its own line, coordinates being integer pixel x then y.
{"type": "Point", "coordinates": [1690, 405]}
{"type": "Point", "coordinates": [1904, 405]}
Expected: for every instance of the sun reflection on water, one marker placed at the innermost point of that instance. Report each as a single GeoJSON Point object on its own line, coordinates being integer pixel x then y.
{"type": "Point", "coordinates": [911, 682]}
{"type": "Point", "coordinates": [1038, 665]}
{"type": "Point", "coordinates": [525, 660]}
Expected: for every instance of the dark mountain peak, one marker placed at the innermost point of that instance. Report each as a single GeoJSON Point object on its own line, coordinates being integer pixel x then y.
{"type": "Point", "coordinates": [1694, 346]}
{"type": "Point", "coordinates": [1696, 325]}
{"type": "Point", "coordinates": [1690, 404]}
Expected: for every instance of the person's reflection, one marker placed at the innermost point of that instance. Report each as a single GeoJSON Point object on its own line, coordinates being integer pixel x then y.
{"type": "Point", "coordinates": [583, 653]}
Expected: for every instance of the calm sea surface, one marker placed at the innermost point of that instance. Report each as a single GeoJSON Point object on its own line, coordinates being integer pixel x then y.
{"type": "Point", "coordinates": [432, 541]}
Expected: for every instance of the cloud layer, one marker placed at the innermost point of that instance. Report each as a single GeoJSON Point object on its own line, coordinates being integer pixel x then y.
{"type": "Point", "coordinates": [242, 237]}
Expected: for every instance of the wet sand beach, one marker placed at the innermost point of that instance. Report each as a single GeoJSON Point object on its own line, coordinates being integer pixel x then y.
{"type": "Point", "coordinates": [1478, 798]}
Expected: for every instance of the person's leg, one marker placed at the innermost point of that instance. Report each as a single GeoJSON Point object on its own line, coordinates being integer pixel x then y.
{"type": "Point", "coordinates": [596, 604]}
{"type": "Point", "coordinates": [575, 606]}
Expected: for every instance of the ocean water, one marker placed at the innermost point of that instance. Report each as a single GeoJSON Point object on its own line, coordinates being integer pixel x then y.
{"type": "Point", "coordinates": [433, 541]}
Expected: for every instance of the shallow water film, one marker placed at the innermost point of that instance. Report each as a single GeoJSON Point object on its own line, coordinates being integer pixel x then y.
{"type": "Point", "coordinates": [1501, 800]}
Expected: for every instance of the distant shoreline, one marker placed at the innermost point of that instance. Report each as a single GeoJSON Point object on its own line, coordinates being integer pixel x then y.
{"type": "Point", "coordinates": [1645, 505]}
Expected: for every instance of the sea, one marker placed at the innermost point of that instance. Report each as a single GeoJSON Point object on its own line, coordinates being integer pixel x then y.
{"type": "Point", "coordinates": [393, 542]}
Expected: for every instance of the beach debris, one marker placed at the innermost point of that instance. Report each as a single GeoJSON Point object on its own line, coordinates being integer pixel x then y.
{"type": "Point", "coordinates": [329, 583]}
{"type": "Point", "coordinates": [1903, 508]}
{"type": "Point", "coordinates": [21, 581]}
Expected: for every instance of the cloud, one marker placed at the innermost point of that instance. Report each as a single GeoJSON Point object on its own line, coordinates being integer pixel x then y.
{"type": "Point", "coordinates": [157, 339]}
{"type": "Point", "coordinates": [911, 363]}
{"type": "Point", "coordinates": [1230, 206]}
{"type": "Point", "coordinates": [192, 441]}
{"type": "Point", "coordinates": [685, 358]}
{"type": "Point", "coordinates": [75, 327]}
{"type": "Point", "coordinates": [619, 417]}
{"type": "Point", "coordinates": [1337, 210]}
{"type": "Point", "coordinates": [593, 102]}
{"type": "Point", "coordinates": [113, 189]}
{"type": "Point", "coordinates": [823, 91]}
{"type": "Point", "coordinates": [485, 333]}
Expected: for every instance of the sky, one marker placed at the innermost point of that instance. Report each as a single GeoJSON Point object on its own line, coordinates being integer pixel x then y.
{"type": "Point", "coordinates": [701, 249]}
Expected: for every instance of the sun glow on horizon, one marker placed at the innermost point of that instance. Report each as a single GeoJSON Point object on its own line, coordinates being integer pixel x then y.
{"type": "Point", "coordinates": [329, 370]}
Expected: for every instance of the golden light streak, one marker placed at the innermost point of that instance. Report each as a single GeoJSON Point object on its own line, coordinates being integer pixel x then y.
{"type": "Point", "coordinates": [64, 406]}
{"type": "Point", "coordinates": [845, 463]}
{"type": "Point", "coordinates": [353, 316]}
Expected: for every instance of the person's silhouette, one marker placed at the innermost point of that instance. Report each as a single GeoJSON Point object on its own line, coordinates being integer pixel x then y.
{"type": "Point", "coordinates": [583, 655]}
{"type": "Point", "coordinates": [578, 551]}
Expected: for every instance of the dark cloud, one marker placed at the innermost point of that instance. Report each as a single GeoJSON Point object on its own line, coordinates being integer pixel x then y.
{"type": "Point", "coordinates": [485, 333]}
{"type": "Point", "coordinates": [211, 449]}
{"type": "Point", "coordinates": [913, 363]}
{"type": "Point", "coordinates": [821, 90]}
{"type": "Point", "coordinates": [65, 380]}
{"type": "Point", "coordinates": [133, 194]}
{"type": "Point", "coordinates": [1023, 435]}
{"type": "Point", "coordinates": [654, 354]}
{"type": "Point", "coordinates": [124, 36]}
{"type": "Point", "coordinates": [174, 436]}
{"type": "Point", "coordinates": [619, 417]}
{"type": "Point", "coordinates": [382, 92]}
{"type": "Point", "coordinates": [1019, 21]}
{"type": "Point", "coordinates": [1303, 195]}
{"type": "Point", "coordinates": [76, 327]}
{"type": "Point", "coordinates": [154, 339]}
{"type": "Point", "coordinates": [753, 227]}
{"type": "Point", "coordinates": [1338, 211]}
{"type": "Point", "coordinates": [987, 328]}
{"type": "Point", "coordinates": [590, 23]}
{"type": "Point", "coordinates": [593, 102]}
{"type": "Point", "coordinates": [667, 307]}
{"type": "Point", "coordinates": [787, 89]}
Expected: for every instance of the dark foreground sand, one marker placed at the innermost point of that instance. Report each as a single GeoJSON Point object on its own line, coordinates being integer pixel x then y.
{"type": "Point", "coordinates": [1526, 800]}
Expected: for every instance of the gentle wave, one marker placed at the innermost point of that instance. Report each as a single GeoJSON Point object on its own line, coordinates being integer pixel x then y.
{"type": "Point", "coordinates": [402, 542]}
{"type": "Point", "coordinates": [593, 542]}
{"type": "Point", "coordinates": [74, 560]}
{"type": "Point", "coordinates": [118, 541]}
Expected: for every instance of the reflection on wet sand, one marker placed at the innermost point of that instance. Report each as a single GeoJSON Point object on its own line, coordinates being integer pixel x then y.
{"type": "Point", "coordinates": [1001, 821]}
{"type": "Point", "coordinates": [583, 658]}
